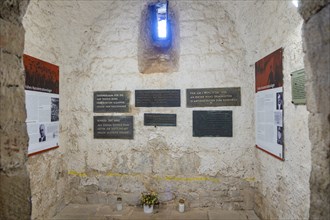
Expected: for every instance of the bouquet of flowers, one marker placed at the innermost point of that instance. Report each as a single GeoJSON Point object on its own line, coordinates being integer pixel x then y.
{"type": "Point", "coordinates": [149, 198]}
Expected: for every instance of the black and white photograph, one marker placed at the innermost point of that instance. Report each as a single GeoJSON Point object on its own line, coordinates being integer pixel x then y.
{"type": "Point", "coordinates": [54, 109]}
{"type": "Point", "coordinates": [279, 101]}
{"type": "Point", "coordinates": [280, 135]}
{"type": "Point", "coordinates": [42, 131]}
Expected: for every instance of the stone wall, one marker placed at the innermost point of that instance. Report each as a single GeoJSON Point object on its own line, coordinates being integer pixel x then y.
{"type": "Point", "coordinates": [316, 35]}
{"type": "Point", "coordinates": [282, 186]}
{"type": "Point", "coordinates": [14, 178]}
{"type": "Point", "coordinates": [56, 38]}
{"type": "Point", "coordinates": [96, 46]}
{"type": "Point", "coordinates": [205, 171]}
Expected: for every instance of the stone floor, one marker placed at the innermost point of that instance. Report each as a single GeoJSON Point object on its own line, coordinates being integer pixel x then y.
{"type": "Point", "coordinates": [106, 212]}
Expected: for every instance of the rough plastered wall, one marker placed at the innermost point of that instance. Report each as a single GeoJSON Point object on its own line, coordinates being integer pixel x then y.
{"type": "Point", "coordinates": [50, 37]}
{"type": "Point", "coordinates": [14, 178]}
{"type": "Point", "coordinates": [47, 170]}
{"type": "Point", "coordinates": [205, 171]}
{"type": "Point", "coordinates": [316, 35]}
{"type": "Point", "coordinates": [282, 186]}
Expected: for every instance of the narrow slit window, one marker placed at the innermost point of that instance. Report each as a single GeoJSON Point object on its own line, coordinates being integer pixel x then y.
{"type": "Point", "coordinates": [162, 21]}
{"type": "Point", "coordinates": [160, 24]}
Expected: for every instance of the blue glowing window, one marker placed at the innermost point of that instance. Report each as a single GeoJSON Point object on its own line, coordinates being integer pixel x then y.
{"type": "Point", "coordinates": [162, 21]}
{"type": "Point", "coordinates": [160, 26]}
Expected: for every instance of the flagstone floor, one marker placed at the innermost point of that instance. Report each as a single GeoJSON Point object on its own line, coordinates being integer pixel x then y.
{"type": "Point", "coordinates": [169, 212]}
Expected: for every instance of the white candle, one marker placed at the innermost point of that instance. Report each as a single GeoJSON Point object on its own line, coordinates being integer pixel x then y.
{"type": "Point", "coordinates": [181, 207]}
{"type": "Point", "coordinates": [119, 204]}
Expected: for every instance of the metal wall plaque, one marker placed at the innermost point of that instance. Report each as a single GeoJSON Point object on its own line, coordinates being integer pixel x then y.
{"type": "Point", "coordinates": [111, 101]}
{"type": "Point", "coordinates": [113, 127]}
{"type": "Point", "coordinates": [298, 87]}
{"type": "Point", "coordinates": [159, 119]}
{"type": "Point", "coordinates": [212, 124]}
{"type": "Point", "coordinates": [214, 97]}
{"type": "Point", "coordinates": [157, 98]}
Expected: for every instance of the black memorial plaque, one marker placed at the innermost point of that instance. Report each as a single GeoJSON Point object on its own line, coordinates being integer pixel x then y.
{"type": "Point", "coordinates": [159, 119]}
{"type": "Point", "coordinates": [212, 97]}
{"type": "Point", "coordinates": [113, 127]}
{"type": "Point", "coordinates": [111, 101]}
{"type": "Point", "coordinates": [212, 124]}
{"type": "Point", "coordinates": [157, 98]}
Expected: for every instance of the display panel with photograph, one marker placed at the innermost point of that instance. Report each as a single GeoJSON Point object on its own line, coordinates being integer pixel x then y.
{"type": "Point", "coordinates": [269, 104]}
{"type": "Point", "coordinates": [42, 104]}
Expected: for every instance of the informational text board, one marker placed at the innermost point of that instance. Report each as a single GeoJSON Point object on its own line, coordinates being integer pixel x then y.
{"type": "Point", "coordinates": [42, 104]}
{"type": "Point", "coordinates": [269, 104]}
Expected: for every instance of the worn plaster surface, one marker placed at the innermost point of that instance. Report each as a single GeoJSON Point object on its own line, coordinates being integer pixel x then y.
{"type": "Point", "coordinates": [205, 171]}
{"type": "Point", "coordinates": [282, 187]}
{"type": "Point", "coordinates": [14, 177]}
{"type": "Point", "coordinates": [95, 45]}
{"type": "Point", "coordinates": [50, 36]}
{"type": "Point", "coordinates": [316, 31]}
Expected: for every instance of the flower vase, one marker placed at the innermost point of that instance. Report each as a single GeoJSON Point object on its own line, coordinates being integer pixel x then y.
{"type": "Point", "coordinates": [148, 209]}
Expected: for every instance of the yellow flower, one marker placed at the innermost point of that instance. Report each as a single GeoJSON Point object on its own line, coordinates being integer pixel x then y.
{"type": "Point", "coordinates": [149, 198]}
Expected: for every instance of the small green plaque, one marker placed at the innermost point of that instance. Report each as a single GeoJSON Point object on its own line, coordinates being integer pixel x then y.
{"type": "Point", "coordinates": [298, 87]}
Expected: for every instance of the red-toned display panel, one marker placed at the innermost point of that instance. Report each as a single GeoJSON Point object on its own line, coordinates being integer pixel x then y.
{"type": "Point", "coordinates": [42, 104]}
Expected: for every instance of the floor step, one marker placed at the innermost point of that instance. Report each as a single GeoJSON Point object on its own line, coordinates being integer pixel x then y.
{"type": "Point", "coordinates": [168, 212]}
